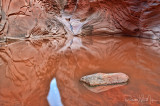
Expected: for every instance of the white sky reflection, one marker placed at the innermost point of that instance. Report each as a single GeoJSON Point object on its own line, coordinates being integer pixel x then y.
{"type": "Point", "coordinates": [54, 98]}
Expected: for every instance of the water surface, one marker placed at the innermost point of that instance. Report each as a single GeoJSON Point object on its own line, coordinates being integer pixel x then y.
{"type": "Point", "coordinates": [27, 69]}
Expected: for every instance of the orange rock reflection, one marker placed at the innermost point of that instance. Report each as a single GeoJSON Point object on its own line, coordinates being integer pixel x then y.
{"type": "Point", "coordinates": [27, 68]}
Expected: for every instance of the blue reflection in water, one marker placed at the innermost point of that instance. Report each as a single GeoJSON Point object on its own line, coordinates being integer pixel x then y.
{"type": "Point", "coordinates": [54, 98]}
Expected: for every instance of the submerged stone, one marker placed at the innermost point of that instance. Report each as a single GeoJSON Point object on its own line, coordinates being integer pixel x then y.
{"type": "Point", "coordinates": [105, 79]}
{"type": "Point", "coordinates": [102, 88]}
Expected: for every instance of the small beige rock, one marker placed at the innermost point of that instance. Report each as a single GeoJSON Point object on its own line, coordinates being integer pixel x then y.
{"type": "Point", "coordinates": [105, 79]}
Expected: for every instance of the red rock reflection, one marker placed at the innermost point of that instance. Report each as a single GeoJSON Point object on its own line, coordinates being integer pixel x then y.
{"type": "Point", "coordinates": [27, 67]}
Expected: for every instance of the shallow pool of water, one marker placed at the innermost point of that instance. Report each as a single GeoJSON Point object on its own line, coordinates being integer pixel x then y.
{"type": "Point", "coordinates": [34, 73]}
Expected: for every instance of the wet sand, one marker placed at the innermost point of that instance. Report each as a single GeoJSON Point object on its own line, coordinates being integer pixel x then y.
{"type": "Point", "coordinates": [27, 68]}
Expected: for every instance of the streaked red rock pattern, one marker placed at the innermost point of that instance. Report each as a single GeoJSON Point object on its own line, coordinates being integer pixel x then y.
{"type": "Point", "coordinates": [28, 62]}
{"type": "Point", "coordinates": [39, 17]}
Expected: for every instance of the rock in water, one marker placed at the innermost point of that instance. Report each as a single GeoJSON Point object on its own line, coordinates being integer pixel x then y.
{"type": "Point", "coordinates": [105, 79]}
{"type": "Point", "coordinates": [98, 89]}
